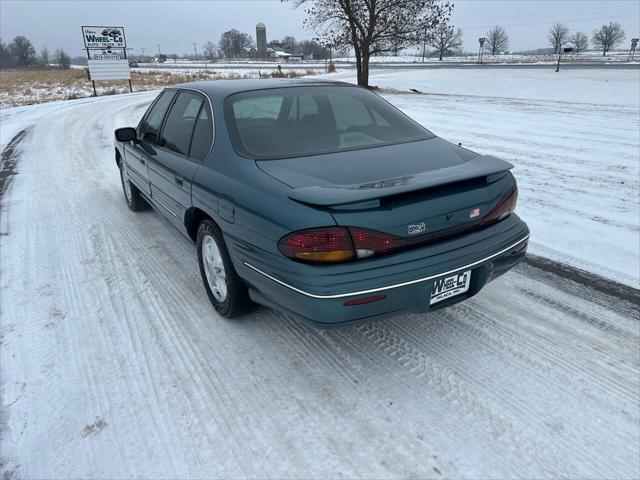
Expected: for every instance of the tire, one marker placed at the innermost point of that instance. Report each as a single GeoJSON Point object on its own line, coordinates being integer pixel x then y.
{"type": "Point", "coordinates": [226, 291]}
{"type": "Point", "coordinates": [132, 195]}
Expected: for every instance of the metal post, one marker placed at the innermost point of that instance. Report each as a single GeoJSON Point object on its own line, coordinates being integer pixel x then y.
{"type": "Point", "coordinates": [124, 50]}
{"type": "Point", "coordinates": [632, 52]}
{"type": "Point", "coordinates": [481, 41]}
{"type": "Point", "coordinates": [93, 83]}
{"type": "Point", "coordinates": [424, 44]}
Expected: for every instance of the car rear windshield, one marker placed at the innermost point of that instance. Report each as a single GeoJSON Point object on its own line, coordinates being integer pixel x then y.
{"type": "Point", "coordinates": [312, 120]}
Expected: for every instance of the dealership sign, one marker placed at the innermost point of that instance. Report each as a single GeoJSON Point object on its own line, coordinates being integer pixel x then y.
{"type": "Point", "coordinates": [106, 53]}
{"type": "Point", "coordinates": [104, 37]}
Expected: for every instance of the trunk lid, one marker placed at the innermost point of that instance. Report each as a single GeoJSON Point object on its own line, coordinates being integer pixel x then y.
{"type": "Point", "coordinates": [415, 188]}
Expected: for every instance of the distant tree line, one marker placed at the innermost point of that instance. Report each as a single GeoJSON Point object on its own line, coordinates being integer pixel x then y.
{"type": "Point", "coordinates": [385, 26]}
{"type": "Point", "coordinates": [20, 52]}
{"type": "Point", "coordinates": [604, 39]}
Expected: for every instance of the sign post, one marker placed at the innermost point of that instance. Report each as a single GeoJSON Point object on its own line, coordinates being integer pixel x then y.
{"type": "Point", "coordinates": [106, 54]}
{"type": "Point", "coordinates": [481, 41]}
{"type": "Point", "coordinates": [566, 50]}
{"type": "Point", "coordinates": [632, 52]}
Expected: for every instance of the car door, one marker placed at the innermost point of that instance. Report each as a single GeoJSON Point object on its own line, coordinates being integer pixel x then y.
{"type": "Point", "coordinates": [137, 153]}
{"type": "Point", "coordinates": [171, 170]}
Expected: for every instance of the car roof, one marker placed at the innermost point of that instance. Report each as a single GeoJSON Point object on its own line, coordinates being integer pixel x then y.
{"type": "Point", "coordinates": [224, 88]}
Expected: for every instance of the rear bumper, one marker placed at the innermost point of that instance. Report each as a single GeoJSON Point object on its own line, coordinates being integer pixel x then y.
{"type": "Point", "coordinates": [317, 293]}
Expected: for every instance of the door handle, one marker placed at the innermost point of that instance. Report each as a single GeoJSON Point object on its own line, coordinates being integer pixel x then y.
{"type": "Point", "coordinates": [142, 161]}
{"type": "Point", "coordinates": [178, 180]}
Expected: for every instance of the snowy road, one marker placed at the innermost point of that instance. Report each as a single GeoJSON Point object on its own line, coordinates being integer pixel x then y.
{"type": "Point", "coordinates": [114, 365]}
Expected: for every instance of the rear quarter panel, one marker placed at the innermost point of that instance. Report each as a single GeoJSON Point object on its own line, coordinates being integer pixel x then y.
{"type": "Point", "coordinates": [251, 208]}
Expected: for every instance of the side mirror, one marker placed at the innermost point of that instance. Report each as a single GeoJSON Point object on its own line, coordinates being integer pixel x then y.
{"type": "Point", "coordinates": [126, 134]}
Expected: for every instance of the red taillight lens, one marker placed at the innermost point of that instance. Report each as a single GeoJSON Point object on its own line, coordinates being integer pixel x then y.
{"type": "Point", "coordinates": [338, 244]}
{"type": "Point", "coordinates": [504, 208]}
{"type": "Point", "coordinates": [319, 245]}
{"type": "Point", "coordinates": [368, 242]}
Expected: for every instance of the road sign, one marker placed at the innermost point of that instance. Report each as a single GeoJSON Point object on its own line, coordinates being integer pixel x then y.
{"type": "Point", "coordinates": [104, 37]}
{"type": "Point", "coordinates": [481, 40]}
{"type": "Point", "coordinates": [634, 42]}
{"type": "Point", "coordinates": [568, 49]}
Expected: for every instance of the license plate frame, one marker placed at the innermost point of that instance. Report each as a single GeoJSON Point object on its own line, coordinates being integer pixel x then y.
{"type": "Point", "coordinates": [450, 286]}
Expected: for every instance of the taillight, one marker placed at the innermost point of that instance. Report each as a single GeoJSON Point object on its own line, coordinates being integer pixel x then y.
{"type": "Point", "coordinates": [319, 245]}
{"type": "Point", "coordinates": [368, 242]}
{"type": "Point", "coordinates": [338, 244]}
{"type": "Point", "coordinates": [503, 209]}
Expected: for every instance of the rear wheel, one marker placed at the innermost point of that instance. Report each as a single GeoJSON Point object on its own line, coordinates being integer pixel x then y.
{"type": "Point", "coordinates": [132, 195]}
{"type": "Point", "coordinates": [226, 291]}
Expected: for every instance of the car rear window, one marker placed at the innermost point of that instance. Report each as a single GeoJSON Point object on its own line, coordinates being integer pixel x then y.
{"type": "Point", "coordinates": [312, 120]}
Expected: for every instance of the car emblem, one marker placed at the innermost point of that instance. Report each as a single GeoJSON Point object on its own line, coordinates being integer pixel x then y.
{"type": "Point", "coordinates": [474, 213]}
{"type": "Point", "coordinates": [416, 228]}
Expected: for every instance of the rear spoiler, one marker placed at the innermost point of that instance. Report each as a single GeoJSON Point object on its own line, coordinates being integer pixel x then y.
{"type": "Point", "coordinates": [480, 166]}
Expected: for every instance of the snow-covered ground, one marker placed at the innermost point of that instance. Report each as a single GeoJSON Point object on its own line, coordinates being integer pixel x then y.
{"type": "Point", "coordinates": [574, 137]}
{"type": "Point", "coordinates": [114, 365]}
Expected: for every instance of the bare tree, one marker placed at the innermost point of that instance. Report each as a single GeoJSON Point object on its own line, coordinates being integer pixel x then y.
{"type": "Point", "coordinates": [233, 43]}
{"type": "Point", "coordinates": [558, 35]}
{"type": "Point", "coordinates": [209, 50]}
{"type": "Point", "coordinates": [580, 41]}
{"type": "Point", "coordinates": [23, 50]}
{"type": "Point", "coordinates": [62, 59]}
{"type": "Point", "coordinates": [373, 26]}
{"type": "Point", "coordinates": [44, 57]}
{"type": "Point", "coordinates": [497, 40]}
{"type": "Point", "coordinates": [6, 58]}
{"type": "Point", "coordinates": [445, 38]}
{"type": "Point", "coordinates": [608, 37]}
{"type": "Point", "coordinates": [311, 48]}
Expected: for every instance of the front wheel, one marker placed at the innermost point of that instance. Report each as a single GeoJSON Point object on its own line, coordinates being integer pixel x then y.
{"type": "Point", "coordinates": [226, 291]}
{"type": "Point", "coordinates": [132, 195]}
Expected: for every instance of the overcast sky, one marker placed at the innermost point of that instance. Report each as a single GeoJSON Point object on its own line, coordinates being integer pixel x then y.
{"type": "Point", "coordinates": [175, 25]}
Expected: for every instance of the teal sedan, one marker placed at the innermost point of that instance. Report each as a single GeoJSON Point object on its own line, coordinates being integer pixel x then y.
{"type": "Point", "coordinates": [320, 199]}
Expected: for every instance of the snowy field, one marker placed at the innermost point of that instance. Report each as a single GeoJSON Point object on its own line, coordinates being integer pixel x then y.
{"type": "Point", "coordinates": [114, 364]}
{"type": "Point", "coordinates": [574, 138]}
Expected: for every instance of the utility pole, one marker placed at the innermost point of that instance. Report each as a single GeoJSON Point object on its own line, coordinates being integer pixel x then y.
{"type": "Point", "coordinates": [142, 52]}
{"type": "Point", "coordinates": [195, 51]}
{"type": "Point", "coordinates": [159, 51]}
{"type": "Point", "coordinates": [424, 44]}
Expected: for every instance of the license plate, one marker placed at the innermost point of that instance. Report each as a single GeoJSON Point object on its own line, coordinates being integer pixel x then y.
{"type": "Point", "coordinates": [447, 287]}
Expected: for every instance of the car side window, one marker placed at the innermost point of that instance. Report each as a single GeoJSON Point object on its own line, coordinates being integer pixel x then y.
{"type": "Point", "coordinates": [178, 128]}
{"type": "Point", "coordinates": [150, 127]}
{"type": "Point", "coordinates": [202, 135]}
